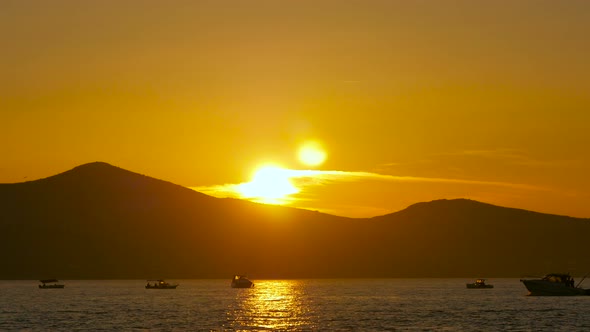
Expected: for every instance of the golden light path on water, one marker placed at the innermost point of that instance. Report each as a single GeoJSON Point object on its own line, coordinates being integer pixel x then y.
{"type": "Point", "coordinates": [270, 305]}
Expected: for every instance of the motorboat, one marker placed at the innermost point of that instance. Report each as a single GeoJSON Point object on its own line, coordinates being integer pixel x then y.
{"type": "Point", "coordinates": [160, 284]}
{"type": "Point", "coordinates": [50, 283]}
{"type": "Point", "coordinates": [479, 284]}
{"type": "Point", "coordinates": [240, 281]}
{"type": "Point", "coordinates": [554, 284]}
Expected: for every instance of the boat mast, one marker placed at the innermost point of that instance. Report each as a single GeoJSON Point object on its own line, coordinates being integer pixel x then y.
{"type": "Point", "coordinates": [578, 285]}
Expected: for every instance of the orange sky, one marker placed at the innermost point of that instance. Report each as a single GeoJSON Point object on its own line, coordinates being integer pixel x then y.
{"type": "Point", "coordinates": [411, 100]}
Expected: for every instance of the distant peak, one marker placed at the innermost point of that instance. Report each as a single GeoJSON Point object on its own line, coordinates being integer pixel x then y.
{"type": "Point", "coordinates": [440, 202]}
{"type": "Point", "coordinates": [456, 204]}
{"type": "Point", "coordinates": [95, 164]}
{"type": "Point", "coordinates": [92, 169]}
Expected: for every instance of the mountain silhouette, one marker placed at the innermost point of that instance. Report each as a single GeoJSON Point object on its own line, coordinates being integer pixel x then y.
{"type": "Point", "coordinates": [98, 221]}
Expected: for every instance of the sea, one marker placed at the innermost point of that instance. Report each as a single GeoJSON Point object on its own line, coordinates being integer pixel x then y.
{"type": "Point", "coordinates": [288, 305]}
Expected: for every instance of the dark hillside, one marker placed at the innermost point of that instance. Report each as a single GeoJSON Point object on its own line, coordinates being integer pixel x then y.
{"type": "Point", "coordinates": [100, 221]}
{"type": "Point", "coordinates": [465, 237]}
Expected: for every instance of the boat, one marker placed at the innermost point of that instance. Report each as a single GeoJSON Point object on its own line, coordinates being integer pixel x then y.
{"type": "Point", "coordinates": [554, 284]}
{"type": "Point", "coordinates": [160, 284]}
{"type": "Point", "coordinates": [240, 281]}
{"type": "Point", "coordinates": [50, 283]}
{"type": "Point", "coordinates": [479, 284]}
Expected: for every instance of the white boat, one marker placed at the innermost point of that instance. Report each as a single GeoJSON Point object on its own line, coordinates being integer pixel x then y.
{"type": "Point", "coordinates": [479, 283]}
{"type": "Point", "coordinates": [160, 284]}
{"type": "Point", "coordinates": [50, 283]}
{"type": "Point", "coordinates": [240, 281]}
{"type": "Point", "coordinates": [554, 284]}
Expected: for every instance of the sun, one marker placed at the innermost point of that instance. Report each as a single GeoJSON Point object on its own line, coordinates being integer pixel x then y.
{"type": "Point", "coordinates": [270, 184]}
{"type": "Point", "coordinates": [312, 154]}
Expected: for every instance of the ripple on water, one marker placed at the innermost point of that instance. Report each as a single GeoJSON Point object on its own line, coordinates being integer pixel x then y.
{"type": "Point", "coordinates": [289, 305]}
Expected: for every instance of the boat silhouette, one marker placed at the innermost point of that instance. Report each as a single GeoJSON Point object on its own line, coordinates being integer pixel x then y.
{"type": "Point", "coordinates": [240, 281]}
{"type": "Point", "coordinates": [50, 283]}
{"type": "Point", "coordinates": [479, 283]}
{"type": "Point", "coordinates": [160, 284]}
{"type": "Point", "coordinates": [554, 284]}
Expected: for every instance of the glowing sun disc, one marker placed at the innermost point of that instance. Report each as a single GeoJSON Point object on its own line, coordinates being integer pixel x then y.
{"type": "Point", "coordinates": [312, 154]}
{"type": "Point", "coordinates": [269, 185]}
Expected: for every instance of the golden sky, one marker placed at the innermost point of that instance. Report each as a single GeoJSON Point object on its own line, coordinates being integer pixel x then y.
{"type": "Point", "coordinates": [409, 100]}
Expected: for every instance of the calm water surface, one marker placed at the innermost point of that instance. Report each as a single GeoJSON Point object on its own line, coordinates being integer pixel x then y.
{"type": "Point", "coordinates": [289, 305]}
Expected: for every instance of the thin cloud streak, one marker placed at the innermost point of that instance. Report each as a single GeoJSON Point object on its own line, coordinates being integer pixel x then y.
{"type": "Point", "coordinates": [319, 177]}
{"type": "Point", "coordinates": [359, 176]}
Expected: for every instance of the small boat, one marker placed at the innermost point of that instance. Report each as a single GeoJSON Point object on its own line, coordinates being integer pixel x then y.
{"type": "Point", "coordinates": [160, 284]}
{"type": "Point", "coordinates": [240, 281]}
{"type": "Point", "coordinates": [554, 284]}
{"type": "Point", "coordinates": [50, 283]}
{"type": "Point", "coordinates": [479, 283]}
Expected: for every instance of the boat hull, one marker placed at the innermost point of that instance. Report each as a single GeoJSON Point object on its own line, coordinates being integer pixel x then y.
{"type": "Point", "coordinates": [51, 286]}
{"type": "Point", "coordinates": [477, 286]}
{"type": "Point", "coordinates": [548, 288]}
{"type": "Point", "coordinates": [162, 287]}
{"type": "Point", "coordinates": [242, 285]}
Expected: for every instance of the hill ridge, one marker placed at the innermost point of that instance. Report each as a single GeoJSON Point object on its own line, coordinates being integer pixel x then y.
{"type": "Point", "coordinates": [99, 221]}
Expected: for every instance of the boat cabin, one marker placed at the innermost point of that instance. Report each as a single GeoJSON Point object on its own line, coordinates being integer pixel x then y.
{"type": "Point", "coordinates": [560, 278]}
{"type": "Point", "coordinates": [480, 282]}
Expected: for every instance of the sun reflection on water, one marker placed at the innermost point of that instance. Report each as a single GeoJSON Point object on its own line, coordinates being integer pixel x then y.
{"type": "Point", "coordinates": [270, 305]}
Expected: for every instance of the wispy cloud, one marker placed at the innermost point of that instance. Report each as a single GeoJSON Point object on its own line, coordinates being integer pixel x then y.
{"type": "Point", "coordinates": [310, 178]}
{"type": "Point", "coordinates": [324, 177]}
